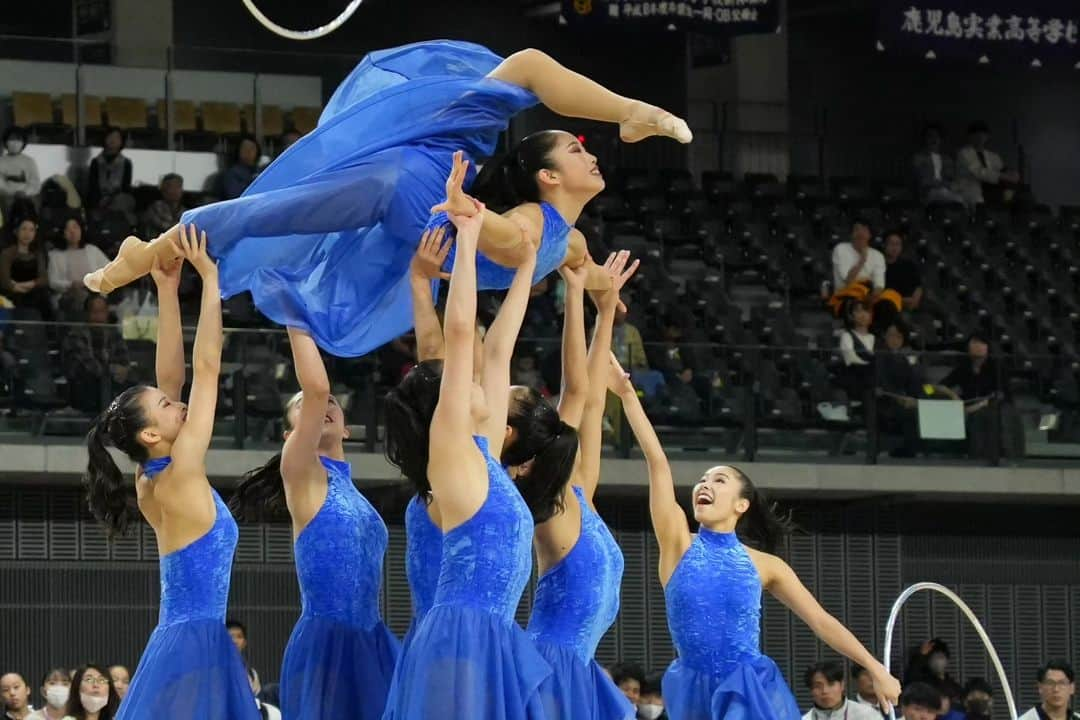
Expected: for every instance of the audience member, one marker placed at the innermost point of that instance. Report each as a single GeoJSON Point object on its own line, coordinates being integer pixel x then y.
{"type": "Point", "coordinates": [165, 213]}
{"type": "Point", "coordinates": [525, 372]}
{"type": "Point", "coordinates": [976, 380]}
{"type": "Point", "coordinates": [979, 169]}
{"type": "Point", "coordinates": [651, 701]}
{"type": "Point", "coordinates": [67, 267]}
{"type": "Point", "coordinates": [109, 181]}
{"type": "Point", "coordinates": [16, 694]}
{"type": "Point", "coordinates": [95, 359]}
{"type": "Point", "coordinates": [289, 138]}
{"type": "Point", "coordinates": [864, 689]}
{"type": "Point", "coordinates": [859, 276]}
{"type": "Point", "coordinates": [626, 343]}
{"type": "Point", "coordinates": [1056, 689]}
{"type": "Point", "coordinates": [899, 387]}
{"type": "Point", "coordinates": [929, 663]}
{"type": "Point", "coordinates": [629, 678]}
{"type": "Point", "coordinates": [978, 700]}
{"type": "Point", "coordinates": [857, 351]}
{"type": "Point", "coordinates": [243, 170]}
{"type": "Point", "coordinates": [825, 681]}
{"type": "Point", "coordinates": [238, 633]}
{"type": "Point", "coordinates": [901, 273]}
{"type": "Point", "coordinates": [93, 696]}
{"type": "Point", "coordinates": [935, 172]}
{"type": "Point", "coordinates": [24, 271]}
{"type": "Point", "coordinates": [18, 171]}
{"type": "Point", "coordinates": [920, 701]}
{"type": "Point", "coordinates": [268, 711]}
{"type": "Point", "coordinates": [55, 689]}
{"type": "Point", "coordinates": [121, 678]}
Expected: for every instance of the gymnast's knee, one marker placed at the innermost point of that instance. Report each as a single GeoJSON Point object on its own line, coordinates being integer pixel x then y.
{"type": "Point", "coordinates": [522, 67]}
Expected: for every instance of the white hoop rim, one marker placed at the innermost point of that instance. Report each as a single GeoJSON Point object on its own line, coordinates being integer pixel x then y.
{"type": "Point", "coordinates": [314, 34]}
{"type": "Point", "coordinates": [970, 614]}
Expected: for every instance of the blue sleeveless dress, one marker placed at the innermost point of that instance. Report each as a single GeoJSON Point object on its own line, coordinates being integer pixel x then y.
{"type": "Point", "coordinates": [340, 656]}
{"type": "Point", "coordinates": [576, 602]}
{"type": "Point", "coordinates": [190, 669]}
{"type": "Point", "coordinates": [423, 556]}
{"type": "Point", "coordinates": [714, 615]}
{"type": "Point", "coordinates": [468, 658]}
{"type": "Point", "coordinates": [323, 237]}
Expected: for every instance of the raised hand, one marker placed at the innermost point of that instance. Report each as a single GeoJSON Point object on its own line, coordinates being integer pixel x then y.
{"type": "Point", "coordinates": [575, 277]}
{"type": "Point", "coordinates": [193, 247]}
{"type": "Point", "coordinates": [457, 200]}
{"type": "Point", "coordinates": [428, 261]}
{"type": "Point", "coordinates": [468, 225]}
{"type": "Point", "coordinates": [619, 268]}
{"type": "Point", "coordinates": [167, 277]}
{"type": "Point", "coordinates": [618, 380]}
{"type": "Point", "coordinates": [887, 689]}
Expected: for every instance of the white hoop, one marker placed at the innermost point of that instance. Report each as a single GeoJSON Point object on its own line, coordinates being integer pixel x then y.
{"type": "Point", "coordinates": [970, 616]}
{"type": "Point", "coordinates": [302, 34]}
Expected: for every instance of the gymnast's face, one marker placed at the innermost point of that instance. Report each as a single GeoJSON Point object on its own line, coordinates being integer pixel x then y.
{"type": "Point", "coordinates": [718, 497]}
{"type": "Point", "coordinates": [166, 417]}
{"type": "Point", "coordinates": [574, 169]}
{"type": "Point", "coordinates": [334, 429]}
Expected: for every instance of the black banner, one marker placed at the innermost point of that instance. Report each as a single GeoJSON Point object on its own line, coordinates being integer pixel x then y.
{"type": "Point", "coordinates": [1033, 32]}
{"type": "Point", "coordinates": [725, 17]}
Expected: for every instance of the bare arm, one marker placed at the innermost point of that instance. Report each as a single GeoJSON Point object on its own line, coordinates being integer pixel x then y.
{"type": "Point", "coordinates": [189, 449]}
{"type": "Point", "coordinates": [169, 358]}
{"type": "Point", "coordinates": [425, 267]}
{"type": "Point", "coordinates": [300, 454]}
{"type": "Point", "coordinates": [499, 345]}
{"type": "Point", "coordinates": [780, 580]}
{"type": "Point", "coordinates": [575, 373]}
{"type": "Point", "coordinates": [668, 518]}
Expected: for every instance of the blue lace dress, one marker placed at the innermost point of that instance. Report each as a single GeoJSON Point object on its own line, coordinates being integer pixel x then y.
{"type": "Point", "coordinates": [190, 669]}
{"type": "Point", "coordinates": [468, 658]}
{"type": "Point", "coordinates": [714, 615]}
{"type": "Point", "coordinates": [341, 656]}
{"type": "Point", "coordinates": [576, 602]}
{"type": "Point", "coordinates": [423, 555]}
{"type": "Point", "coordinates": [323, 237]}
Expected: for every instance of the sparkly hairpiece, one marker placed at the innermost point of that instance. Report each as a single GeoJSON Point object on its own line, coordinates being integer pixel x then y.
{"type": "Point", "coordinates": [113, 407]}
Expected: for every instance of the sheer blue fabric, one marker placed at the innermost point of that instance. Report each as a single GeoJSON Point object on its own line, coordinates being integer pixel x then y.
{"type": "Point", "coordinates": [576, 602]}
{"type": "Point", "coordinates": [323, 237]}
{"type": "Point", "coordinates": [340, 657]}
{"type": "Point", "coordinates": [423, 555]}
{"type": "Point", "coordinates": [190, 668]}
{"type": "Point", "coordinates": [714, 615]}
{"type": "Point", "coordinates": [468, 658]}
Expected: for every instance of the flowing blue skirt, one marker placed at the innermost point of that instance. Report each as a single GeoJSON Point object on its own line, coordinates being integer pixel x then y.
{"type": "Point", "coordinates": [323, 237]}
{"type": "Point", "coordinates": [751, 691]}
{"type": "Point", "coordinates": [468, 663]}
{"type": "Point", "coordinates": [332, 669]}
{"type": "Point", "coordinates": [580, 691]}
{"type": "Point", "coordinates": [190, 671]}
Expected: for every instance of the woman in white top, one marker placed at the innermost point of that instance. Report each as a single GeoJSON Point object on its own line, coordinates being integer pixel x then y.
{"type": "Point", "coordinates": [68, 266]}
{"type": "Point", "coordinates": [857, 350]}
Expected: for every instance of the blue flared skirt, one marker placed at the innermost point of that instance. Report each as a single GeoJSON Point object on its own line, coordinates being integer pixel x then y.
{"type": "Point", "coordinates": [753, 690]}
{"type": "Point", "coordinates": [190, 671]}
{"type": "Point", "coordinates": [333, 669]}
{"type": "Point", "coordinates": [578, 690]}
{"type": "Point", "coordinates": [468, 663]}
{"type": "Point", "coordinates": [323, 237]}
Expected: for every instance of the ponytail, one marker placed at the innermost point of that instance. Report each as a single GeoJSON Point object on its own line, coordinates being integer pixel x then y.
{"type": "Point", "coordinates": [260, 494]}
{"type": "Point", "coordinates": [548, 446]}
{"type": "Point", "coordinates": [109, 499]}
{"type": "Point", "coordinates": [409, 408]}
{"type": "Point", "coordinates": [761, 526]}
{"type": "Point", "coordinates": [509, 180]}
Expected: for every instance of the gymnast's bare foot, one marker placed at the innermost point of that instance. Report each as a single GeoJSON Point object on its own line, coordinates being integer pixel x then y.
{"type": "Point", "coordinates": [644, 120]}
{"type": "Point", "coordinates": [117, 273]}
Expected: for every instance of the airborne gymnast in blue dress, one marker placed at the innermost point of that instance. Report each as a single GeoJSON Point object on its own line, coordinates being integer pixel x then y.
{"type": "Point", "coordinates": [323, 237]}
{"type": "Point", "coordinates": [340, 657]}
{"type": "Point", "coordinates": [713, 583]}
{"type": "Point", "coordinates": [190, 668]}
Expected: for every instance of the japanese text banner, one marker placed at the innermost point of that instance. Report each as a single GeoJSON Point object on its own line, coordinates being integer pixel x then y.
{"type": "Point", "coordinates": [1034, 32]}
{"type": "Point", "coordinates": [729, 17]}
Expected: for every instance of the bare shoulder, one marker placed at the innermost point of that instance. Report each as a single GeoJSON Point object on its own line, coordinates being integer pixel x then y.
{"type": "Point", "coordinates": [527, 211]}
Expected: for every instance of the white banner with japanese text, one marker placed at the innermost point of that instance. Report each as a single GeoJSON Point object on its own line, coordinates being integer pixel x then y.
{"type": "Point", "coordinates": [727, 17]}
{"type": "Point", "coordinates": [1034, 32]}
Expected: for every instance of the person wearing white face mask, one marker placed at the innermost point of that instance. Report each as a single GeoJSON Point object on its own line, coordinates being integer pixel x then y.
{"type": "Point", "coordinates": [651, 701]}
{"type": "Point", "coordinates": [93, 696]}
{"type": "Point", "coordinates": [55, 688]}
{"type": "Point", "coordinates": [18, 171]}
